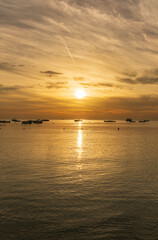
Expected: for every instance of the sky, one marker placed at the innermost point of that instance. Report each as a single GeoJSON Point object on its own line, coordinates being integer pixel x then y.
{"type": "Point", "coordinates": [51, 48]}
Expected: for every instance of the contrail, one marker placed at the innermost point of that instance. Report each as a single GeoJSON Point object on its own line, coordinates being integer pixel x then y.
{"type": "Point", "coordinates": [64, 42]}
{"type": "Point", "coordinates": [69, 52]}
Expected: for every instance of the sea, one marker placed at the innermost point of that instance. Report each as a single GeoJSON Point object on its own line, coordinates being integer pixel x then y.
{"type": "Point", "coordinates": [66, 180]}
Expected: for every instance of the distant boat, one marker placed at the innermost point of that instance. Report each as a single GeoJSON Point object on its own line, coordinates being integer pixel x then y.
{"type": "Point", "coordinates": [27, 122]}
{"type": "Point", "coordinates": [4, 121]}
{"type": "Point", "coordinates": [38, 121]}
{"type": "Point", "coordinates": [144, 121]}
{"type": "Point", "coordinates": [15, 120]}
{"type": "Point", "coordinates": [45, 120]}
{"type": "Point", "coordinates": [109, 121]}
{"type": "Point", "coordinates": [78, 120]}
{"type": "Point", "coordinates": [129, 120]}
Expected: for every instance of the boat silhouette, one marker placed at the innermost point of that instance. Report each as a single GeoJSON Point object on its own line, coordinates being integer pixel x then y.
{"type": "Point", "coordinates": [78, 120]}
{"type": "Point", "coordinates": [109, 121]}
{"type": "Point", "coordinates": [130, 120]}
{"type": "Point", "coordinates": [15, 120]}
{"type": "Point", "coordinates": [4, 121]}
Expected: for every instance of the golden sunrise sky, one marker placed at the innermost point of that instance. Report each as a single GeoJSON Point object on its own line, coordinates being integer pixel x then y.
{"type": "Point", "coordinates": [51, 48]}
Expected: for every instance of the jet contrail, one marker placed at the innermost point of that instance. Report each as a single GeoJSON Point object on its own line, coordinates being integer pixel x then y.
{"type": "Point", "coordinates": [64, 42]}
{"type": "Point", "coordinates": [69, 52]}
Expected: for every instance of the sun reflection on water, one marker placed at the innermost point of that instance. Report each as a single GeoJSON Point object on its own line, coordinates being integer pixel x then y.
{"type": "Point", "coordinates": [79, 145]}
{"type": "Point", "coordinates": [79, 140]}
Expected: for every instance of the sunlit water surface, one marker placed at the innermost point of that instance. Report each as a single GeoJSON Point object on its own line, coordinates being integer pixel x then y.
{"type": "Point", "coordinates": [64, 180]}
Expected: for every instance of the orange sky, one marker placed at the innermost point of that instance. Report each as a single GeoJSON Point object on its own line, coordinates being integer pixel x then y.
{"type": "Point", "coordinates": [51, 48]}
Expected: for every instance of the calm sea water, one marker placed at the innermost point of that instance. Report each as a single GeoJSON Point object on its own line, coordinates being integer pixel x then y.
{"type": "Point", "coordinates": [67, 181]}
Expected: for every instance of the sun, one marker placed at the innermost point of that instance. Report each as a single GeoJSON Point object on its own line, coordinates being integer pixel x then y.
{"type": "Point", "coordinates": [80, 93]}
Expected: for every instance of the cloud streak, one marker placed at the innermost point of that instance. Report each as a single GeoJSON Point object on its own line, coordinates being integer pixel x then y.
{"type": "Point", "coordinates": [5, 66]}
{"type": "Point", "coordinates": [149, 77]}
{"type": "Point", "coordinates": [102, 85]}
{"type": "Point", "coordinates": [51, 73]}
{"type": "Point", "coordinates": [56, 85]}
{"type": "Point", "coordinates": [10, 89]}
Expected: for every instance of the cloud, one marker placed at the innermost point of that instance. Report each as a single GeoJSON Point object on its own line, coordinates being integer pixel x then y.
{"type": "Point", "coordinates": [148, 50]}
{"type": "Point", "coordinates": [56, 85]}
{"type": "Point", "coordinates": [4, 89]}
{"type": "Point", "coordinates": [125, 9]}
{"type": "Point", "coordinates": [9, 89]}
{"type": "Point", "coordinates": [79, 78]}
{"type": "Point", "coordinates": [140, 80]}
{"type": "Point", "coordinates": [21, 65]}
{"type": "Point", "coordinates": [87, 85]}
{"type": "Point", "coordinates": [140, 107]}
{"type": "Point", "coordinates": [134, 104]}
{"type": "Point", "coordinates": [127, 80]}
{"type": "Point", "coordinates": [147, 80]}
{"type": "Point", "coordinates": [130, 73]}
{"type": "Point", "coordinates": [111, 29]}
{"type": "Point", "coordinates": [5, 66]}
{"type": "Point", "coordinates": [102, 85]}
{"type": "Point", "coordinates": [51, 73]}
{"type": "Point", "coordinates": [148, 77]}
{"type": "Point", "coordinates": [12, 68]}
{"type": "Point", "coordinates": [15, 68]}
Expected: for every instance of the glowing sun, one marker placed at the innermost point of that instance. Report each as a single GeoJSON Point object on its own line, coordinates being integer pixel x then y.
{"type": "Point", "coordinates": [80, 93]}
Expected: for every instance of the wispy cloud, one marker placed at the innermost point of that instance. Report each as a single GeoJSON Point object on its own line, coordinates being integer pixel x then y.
{"type": "Point", "coordinates": [56, 85]}
{"type": "Point", "coordinates": [4, 89]}
{"type": "Point", "coordinates": [6, 66]}
{"type": "Point", "coordinates": [102, 85]}
{"type": "Point", "coordinates": [79, 78]}
{"type": "Point", "coordinates": [149, 77]}
{"type": "Point", "coordinates": [140, 80]}
{"type": "Point", "coordinates": [9, 89]}
{"type": "Point", "coordinates": [51, 73]}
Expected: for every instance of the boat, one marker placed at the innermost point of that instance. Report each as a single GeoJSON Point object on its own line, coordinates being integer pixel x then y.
{"type": "Point", "coordinates": [4, 121]}
{"type": "Point", "coordinates": [27, 122]}
{"type": "Point", "coordinates": [109, 121]}
{"type": "Point", "coordinates": [78, 120]}
{"type": "Point", "coordinates": [15, 120]}
{"type": "Point", "coordinates": [144, 121]}
{"type": "Point", "coordinates": [129, 120]}
{"type": "Point", "coordinates": [45, 120]}
{"type": "Point", "coordinates": [38, 121]}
